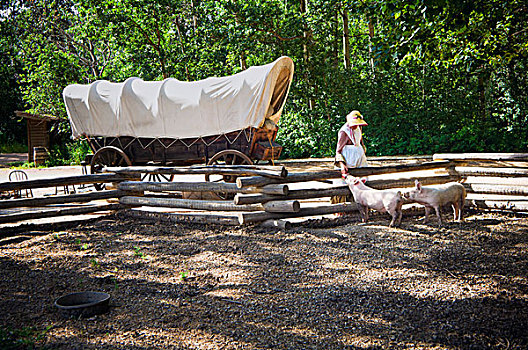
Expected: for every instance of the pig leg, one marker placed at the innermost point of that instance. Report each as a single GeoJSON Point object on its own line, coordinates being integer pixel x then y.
{"type": "Point", "coordinates": [396, 214]}
{"type": "Point", "coordinates": [456, 211]}
{"type": "Point", "coordinates": [427, 210]}
{"type": "Point", "coordinates": [399, 217]}
{"type": "Point", "coordinates": [363, 212]}
{"type": "Point", "coordinates": [437, 210]}
{"type": "Point", "coordinates": [396, 218]}
{"type": "Point", "coordinates": [461, 208]}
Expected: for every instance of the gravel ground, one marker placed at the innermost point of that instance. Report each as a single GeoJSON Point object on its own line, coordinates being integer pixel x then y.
{"type": "Point", "coordinates": [326, 284]}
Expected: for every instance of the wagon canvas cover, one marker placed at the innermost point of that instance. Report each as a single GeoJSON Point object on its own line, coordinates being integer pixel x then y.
{"type": "Point", "coordinates": [178, 109]}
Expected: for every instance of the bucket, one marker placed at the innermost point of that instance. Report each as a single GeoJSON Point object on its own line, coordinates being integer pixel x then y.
{"type": "Point", "coordinates": [40, 155]}
{"type": "Point", "coordinates": [83, 304]}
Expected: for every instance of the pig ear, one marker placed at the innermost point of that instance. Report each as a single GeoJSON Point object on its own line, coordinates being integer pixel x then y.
{"type": "Point", "coordinates": [364, 179]}
{"type": "Point", "coordinates": [418, 185]}
{"type": "Point", "coordinates": [356, 181]}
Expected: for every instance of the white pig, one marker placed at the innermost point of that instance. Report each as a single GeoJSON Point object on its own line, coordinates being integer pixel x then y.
{"type": "Point", "coordinates": [435, 197]}
{"type": "Point", "coordinates": [380, 200]}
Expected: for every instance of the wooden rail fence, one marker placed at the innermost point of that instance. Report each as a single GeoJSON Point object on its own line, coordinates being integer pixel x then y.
{"type": "Point", "coordinates": [269, 194]}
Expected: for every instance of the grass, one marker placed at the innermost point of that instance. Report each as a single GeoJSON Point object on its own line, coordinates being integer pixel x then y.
{"type": "Point", "coordinates": [13, 147]}
{"type": "Point", "coordinates": [139, 253]}
{"type": "Point", "coordinates": [23, 338]}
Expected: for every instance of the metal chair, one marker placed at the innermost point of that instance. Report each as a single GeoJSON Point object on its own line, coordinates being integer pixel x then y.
{"type": "Point", "coordinates": [65, 189]}
{"type": "Point", "coordinates": [20, 175]}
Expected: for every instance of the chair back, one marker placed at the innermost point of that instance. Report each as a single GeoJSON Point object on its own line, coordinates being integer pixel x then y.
{"type": "Point", "coordinates": [20, 175]}
{"type": "Point", "coordinates": [17, 175]}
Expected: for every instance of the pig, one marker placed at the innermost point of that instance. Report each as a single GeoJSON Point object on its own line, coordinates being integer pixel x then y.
{"type": "Point", "coordinates": [380, 200]}
{"type": "Point", "coordinates": [435, 197]}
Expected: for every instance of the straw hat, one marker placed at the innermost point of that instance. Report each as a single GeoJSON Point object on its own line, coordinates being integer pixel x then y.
{"type": "Point", "coordinates": [355, 118]}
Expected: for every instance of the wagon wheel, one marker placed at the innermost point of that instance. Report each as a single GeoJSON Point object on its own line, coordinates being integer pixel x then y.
{"type": "Point", "coordinates": [227, 157]}
{"type": "Point", "coordinates": [157, 177]}
{"type": "Point", "coordinates": [106, 157]}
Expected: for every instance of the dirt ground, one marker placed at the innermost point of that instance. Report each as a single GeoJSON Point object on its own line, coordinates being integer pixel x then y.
{"type": "Point", "coordinates": [326, 284]}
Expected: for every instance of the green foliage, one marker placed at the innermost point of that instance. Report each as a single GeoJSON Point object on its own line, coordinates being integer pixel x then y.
{"type": "Point", "coordinates": [23, 338]}
{"type": "Point", "coordinates": [13, 147]}
{"type": "Point", "coordinates": [68, 153]}
{"type": "Point", "coordinates": [139, 253]}
{"type": "Point", "coordinates": [183, 276]}
{"type": "Point", "coordinates": [428, 76]}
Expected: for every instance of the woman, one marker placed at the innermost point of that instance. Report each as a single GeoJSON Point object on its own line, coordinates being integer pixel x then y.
{"type": "Point", "coordinates": [350, 150]}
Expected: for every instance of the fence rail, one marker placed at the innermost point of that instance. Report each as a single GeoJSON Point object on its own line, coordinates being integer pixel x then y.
{"type": "Point", "coordinates": [266, 195]}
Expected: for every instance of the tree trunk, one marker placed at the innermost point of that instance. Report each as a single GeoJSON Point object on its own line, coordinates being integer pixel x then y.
{"type": "Point", "coordinates": [243, 64]}
{"type": "Point", "coordinates": [371, 35]}
{"type": "Point", "coordinates": [181, 46]}
{"type": "Point", "coordinates": [346, 39]}
{"type": "Point", "coordinates": [195, 21]}
{"type": "Point", "coordinates": [306, 52]}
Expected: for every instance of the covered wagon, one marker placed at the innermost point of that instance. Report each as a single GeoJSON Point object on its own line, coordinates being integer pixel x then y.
{"type": "Point", "coordinates": [226, 120]}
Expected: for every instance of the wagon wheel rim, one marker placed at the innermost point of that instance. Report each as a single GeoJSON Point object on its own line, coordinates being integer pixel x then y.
{"type": "Point", "coordinates": [157, 177]}
{"type": "Point", "coordinates": [107, 156]}
{"type": "Point", "coordinates": [227, 157]}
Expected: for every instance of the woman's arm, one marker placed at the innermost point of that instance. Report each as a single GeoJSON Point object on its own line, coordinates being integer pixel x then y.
{"type": "Point", "coordinates": [340, 161]}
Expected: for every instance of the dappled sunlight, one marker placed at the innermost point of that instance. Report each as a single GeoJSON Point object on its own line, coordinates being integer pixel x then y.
{"type": "Point", "coordinates": [360, 286]}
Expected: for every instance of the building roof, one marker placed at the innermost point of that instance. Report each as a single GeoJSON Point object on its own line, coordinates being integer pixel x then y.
{"type": "Point", "coordinates": [38, 117]}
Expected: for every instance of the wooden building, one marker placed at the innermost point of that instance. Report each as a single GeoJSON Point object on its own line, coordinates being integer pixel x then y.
{"type": "Point", "coordinates": [38, 134]}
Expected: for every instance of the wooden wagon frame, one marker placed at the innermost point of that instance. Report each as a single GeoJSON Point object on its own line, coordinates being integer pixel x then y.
{"type": "Point", "coordinates": [247, 146]}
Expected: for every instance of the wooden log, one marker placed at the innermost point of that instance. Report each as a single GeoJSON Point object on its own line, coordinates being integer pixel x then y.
{"type": "Point", "coordinates": [62, 181]}
{"type": "Point", "coordinates": [496, 197]}
{"type": "Point", "coordinates": [248, 218]}
{"type": "Point", "coordinates": [496, 189]}
{"type": "Point", "coordinates": [275, 168]}
{"type": "Point", "coordinates": [491, 163]}
{"type": "Point", "coordinates": [71, 198]}
{"type": "Point", "coordinates": [481, 171]}
{"type": "Point", "coordinates": [481, 156]}
{"type": "Point", "coordinates": [272, 189]}
{"type": "Point", "coordinates": [277, 224]}
{"type": "Point", "coordinates": [289, 206]}
{"type": "Point", "coordinates": [209, 170]}
{"type": "Point", "coordinates": [502, 205]}
{"type": "Point", "coordinates": [200, 218]}
{"type": "Point", "coordinates": [188, 204]}
{"type": "Point", "coordinates": [505, 181]}
{"type": "Point", "coordinates": [335, 174]}
{"type": "Point", "coordinates": [58, 212]}
{"type": "Point", "coordinates": [340, 190]}
{"type": "Point", "coordinates": [257, 181]}
{"type": "Point", "coordinates": [409, 182]}
{"type": "Point", "coordinates": [277, 189]}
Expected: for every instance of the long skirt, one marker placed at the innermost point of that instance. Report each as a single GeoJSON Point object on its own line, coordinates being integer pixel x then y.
{"type": "Point", "coordinates": [355, 158]}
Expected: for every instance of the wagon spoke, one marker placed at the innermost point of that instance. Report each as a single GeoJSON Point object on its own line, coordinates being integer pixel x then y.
{"type": "Point", "coordinates": [227, 157]}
